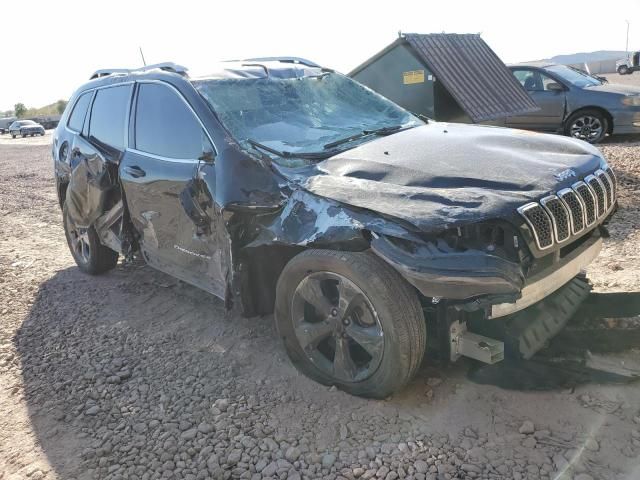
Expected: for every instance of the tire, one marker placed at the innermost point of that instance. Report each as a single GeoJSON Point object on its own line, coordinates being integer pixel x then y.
{"type": "Point", "coordinates": [92, 257]}
{"type": "Point", "coordinates": [589, 125]}
{"type": "Point", "coordinates": [13, 136]}
{"type": "Point", "coordinates": [383, 305]}
{"type": "Point", "coordinates": [623, 70]}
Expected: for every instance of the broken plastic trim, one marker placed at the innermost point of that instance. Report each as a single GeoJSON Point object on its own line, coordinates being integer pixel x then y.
{"type": "Point", "coordinates": [453, 275]}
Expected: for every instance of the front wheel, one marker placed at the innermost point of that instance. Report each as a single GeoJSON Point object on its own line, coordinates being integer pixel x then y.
{"type": "Point", "coordinates": [89, 254]}
{"type": "Point", "coordinates": [350, 320]}
{"type": "Point", "coordinates": [623, 69]}
{"type": "Point", "coordinates": [588, 125]}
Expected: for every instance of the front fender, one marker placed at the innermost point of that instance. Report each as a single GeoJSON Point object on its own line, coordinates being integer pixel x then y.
{"type": "Point", "coordinates": [308, 220]}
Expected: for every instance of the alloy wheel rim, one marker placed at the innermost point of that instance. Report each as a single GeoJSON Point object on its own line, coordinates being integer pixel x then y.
{"type": "Point", "coordinates": [79, 238]}
{"type": "Point", "coordinates": [587, 128]}
{"type": "Point", "coordinates": [337, 327]}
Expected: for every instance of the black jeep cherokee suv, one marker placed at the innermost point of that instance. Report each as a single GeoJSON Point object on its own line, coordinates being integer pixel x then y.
{"type": "Point", "coordinates": [280, 186]}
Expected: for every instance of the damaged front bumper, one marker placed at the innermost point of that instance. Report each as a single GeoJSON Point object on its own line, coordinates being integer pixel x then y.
{"type": "Point", "coordinates": [436, 271]}
{"type": "Point", "coordinates": [544, 283]}
{"type": "Point", "coordinates": [441, 273]}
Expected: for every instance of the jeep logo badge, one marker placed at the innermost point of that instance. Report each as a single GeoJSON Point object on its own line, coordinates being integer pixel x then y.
{"type": "Point", "coordinates": [565, 174]}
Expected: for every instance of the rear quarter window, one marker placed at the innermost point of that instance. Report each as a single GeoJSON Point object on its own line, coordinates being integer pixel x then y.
{"type": "Point", "coordinates": [76, 120]}
{"type": "Point", "coordinates": [108, 116]}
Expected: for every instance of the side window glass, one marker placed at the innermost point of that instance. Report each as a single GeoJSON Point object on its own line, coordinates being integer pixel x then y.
{"type": "Point", "coordinates": [76, 119]}
{"type": "Point", "coordinates": [529, 79]}
{"type": "Point", "coordinates": [165, 126]}
{"type": "Point", "coordinates": [108, 116]}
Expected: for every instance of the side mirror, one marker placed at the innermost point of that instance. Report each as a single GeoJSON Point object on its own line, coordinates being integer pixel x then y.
{"type": "Point", "coordinates": [207, 157]}
{"type": "Point", "coordinates": [555, 87]}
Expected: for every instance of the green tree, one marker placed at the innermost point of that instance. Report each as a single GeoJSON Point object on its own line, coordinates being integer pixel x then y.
{"type": "Point", "coordinates": [60, 106]}
{"type": "Point", "coordinates": [19, 109]}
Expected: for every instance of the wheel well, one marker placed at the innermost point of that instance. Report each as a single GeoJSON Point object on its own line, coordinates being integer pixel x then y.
{"type": "Point", "coordinates": [599, 109]}
{"type": "Point", "coordinates": [259, 270]}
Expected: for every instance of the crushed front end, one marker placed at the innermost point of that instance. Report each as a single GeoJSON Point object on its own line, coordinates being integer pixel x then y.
{"type": "Point", "coordinates": [512, 282]}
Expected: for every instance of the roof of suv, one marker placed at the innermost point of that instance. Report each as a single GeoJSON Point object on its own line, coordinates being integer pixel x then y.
{"type": "Point", "coordinates": [278, 67]}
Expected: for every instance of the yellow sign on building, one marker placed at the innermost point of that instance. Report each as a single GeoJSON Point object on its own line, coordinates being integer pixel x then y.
{"type": "Point", "coordinates": [413, 76]}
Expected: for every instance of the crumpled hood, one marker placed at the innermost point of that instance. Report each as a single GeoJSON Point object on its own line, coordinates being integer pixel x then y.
{"type": "Point", "coordinates": [440, 174]}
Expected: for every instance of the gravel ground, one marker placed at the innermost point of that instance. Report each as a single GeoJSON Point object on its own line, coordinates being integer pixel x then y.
{"type": "Point", "coordinates": [133, 375]}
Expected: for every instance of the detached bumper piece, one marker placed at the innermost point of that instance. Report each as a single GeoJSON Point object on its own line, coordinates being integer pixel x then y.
{"type": "Point", "coordinates": [529, 330]}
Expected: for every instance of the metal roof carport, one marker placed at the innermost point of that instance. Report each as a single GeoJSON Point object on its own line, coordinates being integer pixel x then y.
{"type": "Point", "coordinates": [450, 77]}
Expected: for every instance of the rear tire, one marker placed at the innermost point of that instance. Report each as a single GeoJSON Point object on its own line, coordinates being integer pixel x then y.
{"type": "Point", "coordinates": [89, 254]}
{"type": "Point", "coordinates": [589, 125]}
{"type": "Point", "coordinates": [380, 309]}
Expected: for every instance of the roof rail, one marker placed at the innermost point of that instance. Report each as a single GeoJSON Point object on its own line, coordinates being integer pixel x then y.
{"type": "Point", "coordinates": [298, 60]}
{"type": "Point", "coordinates": [166, 66]}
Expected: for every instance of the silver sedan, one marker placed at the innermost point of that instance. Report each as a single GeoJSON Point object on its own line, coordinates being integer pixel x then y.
{"type": "Point", "coordinates": [575, 103]}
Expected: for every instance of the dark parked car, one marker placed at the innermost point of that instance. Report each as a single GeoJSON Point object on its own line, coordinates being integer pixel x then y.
{"type": "Point", "coordinates": [280, 186]}
{"type": "Point", "coordinates": [575, 103]}
{"type": "Point", "coordinates": [5, 123]}
{"type": "Point", "coordinates": [25, 128]}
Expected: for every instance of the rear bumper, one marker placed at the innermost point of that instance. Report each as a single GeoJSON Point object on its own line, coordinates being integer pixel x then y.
{"type": "Point", "coordinates": [546, 282]}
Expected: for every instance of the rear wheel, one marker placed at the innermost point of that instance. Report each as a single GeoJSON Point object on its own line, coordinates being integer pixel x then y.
{"type": "Point", "coordinates": [350, 320]}
{"type": "Point", "coordinates": [588, 125]}
{"type": "Point", "coordinates": [89, 254]}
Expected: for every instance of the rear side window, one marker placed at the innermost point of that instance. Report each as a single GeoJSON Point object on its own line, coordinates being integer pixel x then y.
{"type": "Point", "coordinates": [79, 112]}
{"type": "Point", "coordinates": [165, 126]}
{"type": "Point", "coordinates": [108, 116]}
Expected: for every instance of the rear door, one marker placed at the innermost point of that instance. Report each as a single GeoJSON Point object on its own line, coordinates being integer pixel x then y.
{"type": "Point", "coordinates": [95, 151]}
{"type": "Point", "coordinates": [551, 102]}
{"type": "Point", "coordinates": [159, 174]}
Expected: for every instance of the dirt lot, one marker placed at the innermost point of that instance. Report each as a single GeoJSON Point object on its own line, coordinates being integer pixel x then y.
{"type": "Point", "coordinates": [133, 375]}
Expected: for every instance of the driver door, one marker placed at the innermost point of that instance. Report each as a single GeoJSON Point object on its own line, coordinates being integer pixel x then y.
{"type": "Point", "coordinates": [167, 150]}
{"type": "Point", "coordinates": [551, 102]}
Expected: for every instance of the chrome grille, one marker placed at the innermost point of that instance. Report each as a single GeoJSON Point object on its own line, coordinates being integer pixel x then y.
{"type": "Point", "coordinates": [598, 189]}
{"type": "Point", "coordinates": [576, 209]}
{"type": "Point", "coordinates": [557, 218]}
{"type": "Point", "coordinates": [612, 177]}
{"type": "Point", "coordinates": [540, 224]}
{"type": "Point", "coordinates": [589, 200]}
{"type": "Point", "coordinates": [607, 183]}
{"type": "Point", "coordinates": [559, 215]}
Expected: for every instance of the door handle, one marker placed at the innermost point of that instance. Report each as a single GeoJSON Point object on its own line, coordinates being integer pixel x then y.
{"type": "Point", "coordinates": [134, 171]}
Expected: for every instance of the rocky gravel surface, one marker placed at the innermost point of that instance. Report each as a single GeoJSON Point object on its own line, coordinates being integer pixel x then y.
{"type": "Point", "coordinates": [133, 375]}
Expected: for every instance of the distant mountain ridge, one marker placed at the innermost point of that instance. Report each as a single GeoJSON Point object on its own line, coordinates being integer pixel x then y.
{"type": "Point", "coordinates": [586, 57]}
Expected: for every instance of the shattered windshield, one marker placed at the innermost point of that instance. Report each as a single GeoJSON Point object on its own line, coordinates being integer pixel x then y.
{"type": "Point", "coordinates": [301, 115]}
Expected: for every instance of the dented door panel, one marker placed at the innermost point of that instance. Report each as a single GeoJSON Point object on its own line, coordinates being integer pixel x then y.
{"type": "Point", "coordinates": [170, 240]}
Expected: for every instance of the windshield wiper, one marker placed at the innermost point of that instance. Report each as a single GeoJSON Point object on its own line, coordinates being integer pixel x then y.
{"type": "Point", "coordinates": [287, 154]}
{"type": "Point", "coordinates": [366, 133]}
